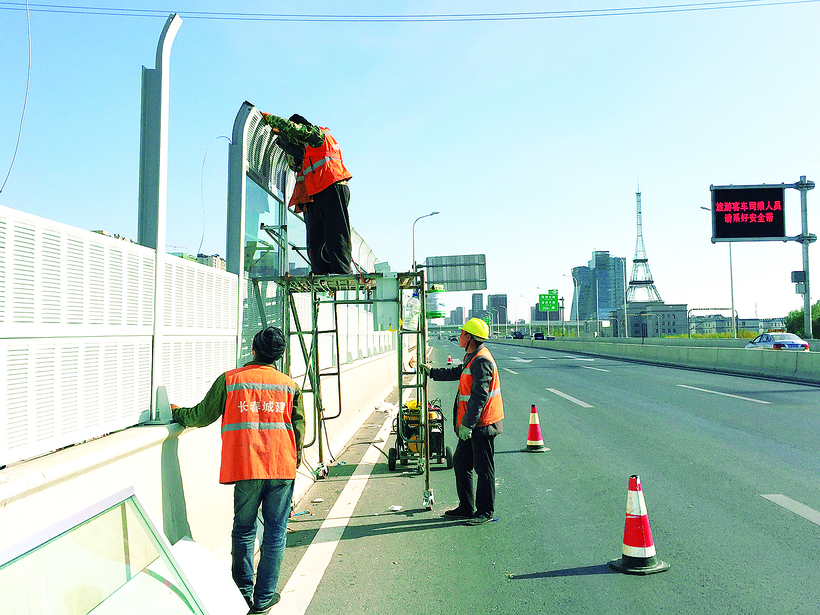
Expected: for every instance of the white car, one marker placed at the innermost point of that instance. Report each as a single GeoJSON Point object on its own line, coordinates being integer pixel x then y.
{"type": "Point", "coordinates": [778, 341]}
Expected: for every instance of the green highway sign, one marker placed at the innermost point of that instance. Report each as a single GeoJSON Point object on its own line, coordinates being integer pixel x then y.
{"type": "Point", "coordinates": [548, 302]}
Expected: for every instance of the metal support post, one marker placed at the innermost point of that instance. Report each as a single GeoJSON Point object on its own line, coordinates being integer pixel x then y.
{"type": "Point", "coordinates": [806, 239]}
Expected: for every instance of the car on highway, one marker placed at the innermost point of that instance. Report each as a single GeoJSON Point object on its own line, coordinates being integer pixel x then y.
{"type": "Point", "coordinates": [778, 341]}
{"type": "Point", "coordinates": [537, 335]}
{"type": "Point", "coordinates": [453, 338]}
{"type": "Point", "coordinates": [517, 335]}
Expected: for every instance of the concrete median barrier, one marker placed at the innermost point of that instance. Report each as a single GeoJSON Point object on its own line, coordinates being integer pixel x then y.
{"type": "Point", "coordinates": [728, 358]}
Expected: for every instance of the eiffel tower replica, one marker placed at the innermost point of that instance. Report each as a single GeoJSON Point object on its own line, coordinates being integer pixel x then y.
{"type": "Point", "coordinates": [641, 286]}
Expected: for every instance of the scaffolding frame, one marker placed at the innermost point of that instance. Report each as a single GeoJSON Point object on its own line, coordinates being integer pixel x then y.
{"type": "Point", "coordinates": [334, 291]}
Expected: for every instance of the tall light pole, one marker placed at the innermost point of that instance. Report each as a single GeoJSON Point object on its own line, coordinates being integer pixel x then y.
{"type": "Point", "coordinates": [575, 302]}
{"type": "Point", "coordinates": [433, 213]}
{"type": "Point", "coordinates": [597, 309]}
{"type": "Point", "coordinates": [626, 316]}
{"type": "Point", "coordinates": [530, 311]}
{"type": "Point", "coordinates": [497, 318]}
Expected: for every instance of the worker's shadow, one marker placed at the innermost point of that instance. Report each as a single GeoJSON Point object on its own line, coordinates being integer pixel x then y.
{"type": "Point", "coordinates": [174, 511]}
{"type": "Point", "coordinates": [410, 520]}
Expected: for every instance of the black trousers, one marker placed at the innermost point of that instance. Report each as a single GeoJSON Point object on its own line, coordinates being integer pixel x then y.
{"type": "Point", "coordinates": [328, 231]}
{"type": "Point", "coordinates": [475, 454]}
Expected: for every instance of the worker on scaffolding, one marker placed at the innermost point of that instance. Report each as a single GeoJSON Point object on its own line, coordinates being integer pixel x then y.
{"type": "Point", "coordinates": [477, 417]}
{"type": "Point", "coordinates": [321, 191]}
{"type": "Point", "coordinates": [263, 426]}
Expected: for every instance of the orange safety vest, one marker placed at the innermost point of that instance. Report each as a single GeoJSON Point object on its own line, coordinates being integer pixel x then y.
{"type": "Point", "coordinates": [300, 196]}
{"type": "Point", "coordinates": [323, 166]}
{"type": "Point", "coordinates": [257, 433]}
{"type": "Point", "coordinates": [493, 410]}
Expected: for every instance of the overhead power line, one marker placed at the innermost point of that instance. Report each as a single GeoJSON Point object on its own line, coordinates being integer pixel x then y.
{"type": "Point", "coordinates": [456, 17]}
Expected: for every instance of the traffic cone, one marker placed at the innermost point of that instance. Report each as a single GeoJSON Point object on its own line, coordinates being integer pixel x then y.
{"type": "Point", "coordinates": [535, 442]}
{"type": "Point", "coordinates": [449, 360]}
{"type": "Point", "coordinates": [638, 554]}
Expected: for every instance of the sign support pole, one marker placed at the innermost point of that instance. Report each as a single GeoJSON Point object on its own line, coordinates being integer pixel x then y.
{"type": "Point", "coordinates": [806, 239]}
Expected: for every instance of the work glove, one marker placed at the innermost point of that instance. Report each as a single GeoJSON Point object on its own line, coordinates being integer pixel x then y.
{"type": "Point", "coordinates": [298, 458]}
{"type": "Point", "coordinates": [464, 433]}
{"type": "Point", "coordinates": [425, 368]}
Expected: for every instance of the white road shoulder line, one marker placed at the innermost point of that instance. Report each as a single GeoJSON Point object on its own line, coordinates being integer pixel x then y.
{"type": "Point", "coordinates": [597, 369]}
{"type": "Point", "coordinates": [757, 401]}
{"type": "Point", "coordinates": [509, 370]}
{"type": "Point", "coordinates": [569, 398]}
{"type": "Point", "coordinates": [303, 583]}
{"type": "Point", "coordinates": [793, 506]}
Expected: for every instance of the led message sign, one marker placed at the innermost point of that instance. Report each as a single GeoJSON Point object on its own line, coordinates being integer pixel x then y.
{"type": "Point", "coordinates": [748, 213]}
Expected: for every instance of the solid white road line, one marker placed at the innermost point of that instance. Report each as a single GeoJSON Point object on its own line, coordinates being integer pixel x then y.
{"type": "Point", "coordinates": [597, 369]}
{"type": "Point", "coordinates": [569, 398]}
{"type": "Point", "coordinates": [302, 584]}
{"type": "Point", "coordinates": [520, 360]}
{"type": "Point", "coordinates": [757, 401]}
{"type": "Point", "coordinates": [509, 370]}
{"type": "Point", "coordinates": [793, 506]}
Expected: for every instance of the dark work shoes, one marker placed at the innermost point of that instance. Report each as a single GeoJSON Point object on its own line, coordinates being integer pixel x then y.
{"type": "Point", "coordinates": [260, 610]}
{"type": "Point", "coordinates": [478, 519]}
{"type": "Point", "coordinates": [458, 513]}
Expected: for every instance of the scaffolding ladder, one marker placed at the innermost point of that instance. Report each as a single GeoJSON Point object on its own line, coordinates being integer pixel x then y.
{"type": "Point", "coordinates": [411, 344]}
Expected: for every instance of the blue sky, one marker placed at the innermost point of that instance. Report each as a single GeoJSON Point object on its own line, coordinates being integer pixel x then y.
{"type": "Point", "coordinates": [529, 136]}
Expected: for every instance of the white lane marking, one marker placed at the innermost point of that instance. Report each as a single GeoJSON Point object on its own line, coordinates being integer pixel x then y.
{"type": "Point", "coordinates": [793, 506]}
{"type": "Point", "coordinates": [597, 369]}
{"type": "Point", "coordinates": [757, 401]}
{"type": "Point", "coordinates": [578, 358]}
{"type": "Point", "coordinates": [583, 404]}
{"type": "Point", "coordinates": [509, 370]}
{"type": "Point", "coordinates": [520, 360]}
{"type": "Point", "coordinates": [302, 584]}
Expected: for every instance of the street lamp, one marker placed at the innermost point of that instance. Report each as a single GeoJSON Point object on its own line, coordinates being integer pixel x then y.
{"type": "Point", "coordinates": [626, 315]}
{"type": "Point", "coordinates": [529, 309]}
{"type": "Point", "coordinates": [497, 319]}
{"type": "Point", "coordinates": [597, 309]}
{"type": "Point", "coordinates": [575, 302]}
{"type": "Point", "coordinates": [433, 213]}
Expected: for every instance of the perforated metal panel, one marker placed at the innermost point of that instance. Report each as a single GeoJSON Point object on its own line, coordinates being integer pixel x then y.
{"type": "Point", "coordinates": [77, 330]}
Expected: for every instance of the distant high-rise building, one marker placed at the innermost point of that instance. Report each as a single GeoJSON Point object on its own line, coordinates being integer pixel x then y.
{"type": "Point", "coordinates": [601, 286]}
{"type": "Point", "coordinates": [456, 317]}
{"type": "Point", "coordinates": [477, 311]}
{"type": "Point", "coordinates": [498, 303]}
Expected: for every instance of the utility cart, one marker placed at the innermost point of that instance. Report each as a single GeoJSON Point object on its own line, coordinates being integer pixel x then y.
{"type": "Point", "coordinates": [408, 428]}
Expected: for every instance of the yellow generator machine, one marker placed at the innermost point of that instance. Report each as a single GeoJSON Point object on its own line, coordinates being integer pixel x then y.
{"type": "Point", "coordinates": [407, 426]}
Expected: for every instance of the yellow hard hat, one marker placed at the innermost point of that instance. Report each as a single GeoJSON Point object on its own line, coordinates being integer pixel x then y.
{"type": "Point", "coordinates": [477, 328]}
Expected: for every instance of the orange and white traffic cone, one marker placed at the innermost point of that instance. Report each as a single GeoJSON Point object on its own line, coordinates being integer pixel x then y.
{"type": "Point", "coordinates": [449, 360]}
{"type": "Point", "coordinates": [535, 441]}
{"type": "Point", "coordinates": [638, 554]}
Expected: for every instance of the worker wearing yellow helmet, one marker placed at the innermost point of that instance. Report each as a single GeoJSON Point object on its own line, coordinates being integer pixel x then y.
{"type": "Point", "coordinates": [477, 415]}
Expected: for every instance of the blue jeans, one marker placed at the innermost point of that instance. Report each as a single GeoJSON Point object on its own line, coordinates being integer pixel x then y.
{"type": "Point", "coordinates": [274, 496]}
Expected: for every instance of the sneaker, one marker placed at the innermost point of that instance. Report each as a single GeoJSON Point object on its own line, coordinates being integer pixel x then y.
{"type": "Point", "coordinates": [458, 513]}
{"type": "Point", "coordinates": [260, 610]}
{"type": "Point", "coordinates": [478, 519]}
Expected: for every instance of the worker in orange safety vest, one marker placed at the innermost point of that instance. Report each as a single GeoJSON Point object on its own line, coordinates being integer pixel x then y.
{"type": "Point", "coordinates": [321, 191]}
{"type": "Point", "coordinates": [263, 426]}
{"type": "Point", "coordinates": [477, 417]}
